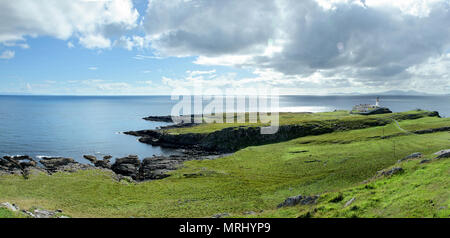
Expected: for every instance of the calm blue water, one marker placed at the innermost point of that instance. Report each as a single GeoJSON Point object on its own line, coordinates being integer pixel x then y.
{"type": "Point", "coordinates": [72, 126]}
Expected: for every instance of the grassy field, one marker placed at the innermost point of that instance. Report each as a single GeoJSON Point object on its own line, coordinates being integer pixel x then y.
{"type": "Point", "coordinates": [258, 178]}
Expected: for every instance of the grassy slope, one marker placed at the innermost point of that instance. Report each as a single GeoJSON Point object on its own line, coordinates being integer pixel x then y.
{"type": "Point", "coordinates": [423, 190]}
{"type": "Point", "coordinates": [258, 178]}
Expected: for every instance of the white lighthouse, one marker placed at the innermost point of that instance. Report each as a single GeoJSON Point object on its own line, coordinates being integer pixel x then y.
{"type": "Point", "coordinates": [377, 103]}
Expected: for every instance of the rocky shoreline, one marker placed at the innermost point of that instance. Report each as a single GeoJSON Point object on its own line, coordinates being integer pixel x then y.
{"type": "Point", "coordinates": [130, 168]}
{"type": "Point", "coordinates": [194, 146]}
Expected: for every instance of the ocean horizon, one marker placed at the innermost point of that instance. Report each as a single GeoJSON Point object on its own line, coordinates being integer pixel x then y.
{"type": "Point", "coordinates": [72, 126]}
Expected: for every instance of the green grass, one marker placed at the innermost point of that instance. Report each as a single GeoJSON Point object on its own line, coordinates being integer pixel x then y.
{"type": "Point", "coordinates": [425, 123]}
{"type": "Point", "coordinates": [260, 177]}
{"type": "Point", "coordinates": [285, 118]}
{"type": "Point", "coordinates": [422, 190]}
{"type": "Point", "coordinates": [5, 213]}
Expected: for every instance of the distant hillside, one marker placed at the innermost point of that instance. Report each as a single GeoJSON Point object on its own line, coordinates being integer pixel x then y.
{"type": "Point", "coordinates": [392, 93]}
{"type": "Point", "coordinates": [401, 92]}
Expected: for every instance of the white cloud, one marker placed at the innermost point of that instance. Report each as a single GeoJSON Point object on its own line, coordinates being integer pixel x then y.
{"type": "Point", "coordinates": [16, 44]}
{"type": "Point", "coordinates": [113, 86]}
{"type": "Point", "coordinates": [95, 41]}
{"type": "Point", "coordinates": [199, 72]}
{"type": "Point", "coordinates": [92, 22]}
{"type": "Point", "coordinates": [133, 42]}
{"type": "Point", "coordinates": [7, 54]}
{"type": "Point", "coordinates": [143, 57]}
{"type": "Point", "coordinates": [357, 43]}
{"type": "Point", "coordinates": [210, 27]}
{"type": "Point", "coordinates": [224, 60]}
{"type": "Point", "coordinates": [70, 45]}
{"type": "Point", "coordinates": [92, 68]}
{"type": "Point", "coordinates": [431, 76]}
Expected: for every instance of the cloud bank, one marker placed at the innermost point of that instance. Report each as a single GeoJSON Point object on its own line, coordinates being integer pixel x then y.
{"type": "Point", "coordinates": [369, 43]}
{"type": "Point", "coordinates": [306, 44]}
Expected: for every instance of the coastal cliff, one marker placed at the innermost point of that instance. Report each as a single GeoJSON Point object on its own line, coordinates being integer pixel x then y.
{"type": "Point", "coordinates": [232, 139]}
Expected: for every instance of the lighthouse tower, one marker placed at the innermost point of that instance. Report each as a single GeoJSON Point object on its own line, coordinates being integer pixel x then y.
{"type": "Point", "coordinates": [377, 104]}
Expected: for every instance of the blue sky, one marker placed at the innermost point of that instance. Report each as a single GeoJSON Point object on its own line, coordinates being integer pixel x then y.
{"type": "Point", "coordinates": [49, 66]}
{"type": "Point", "coordinates": [124, 47]}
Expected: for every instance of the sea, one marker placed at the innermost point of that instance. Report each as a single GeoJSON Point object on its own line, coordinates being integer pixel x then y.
{"type": "Point", "coordinates": [73, 126]}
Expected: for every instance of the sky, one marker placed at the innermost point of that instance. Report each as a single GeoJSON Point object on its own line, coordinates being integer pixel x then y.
{"type": "Point", "coordinates": [151, 47]}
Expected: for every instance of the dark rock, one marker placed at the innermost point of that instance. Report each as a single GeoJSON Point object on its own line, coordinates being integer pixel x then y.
{"type": "Point", "coordinates": [390, 172]}
{"type": "Point", "coordinates": [23, 165]}
{"type": "Point", "coordinates": [144, 133]}
{"type": "Point", "coordinates": [159, 118]}
{"type": "Point", "coordinates": [9, 165]}
{"type": "Point", "coordinates": [19, 158]}
{"type": "Point", "coordinates": [411, 156]}
{"type": "Point", "coordinates": [443, 154]}
{"type": "Point", "coordinates": [54, 163]}
{"type": "Point", "coordinates": [425, 161]}
{"type": "Point", "coordinates": [125, 169]}
{"type": "Point", "coordinates": [131, 159]}
{"type": "Point", "coordinates": [187, 119]}
{"type": "Point", "coordinates": [91, 158]}
{"type": "Point", "coordinates": [28, 164]}
{"type": "Point", "coordinates": [102, 164]}
{"type": "Point", "coordinates": [434, 114]}
{"type": "Point", "coordinates": [156, 167]}
{"type": "Point", "coordinates": [433, 130]}
{"type": "Point", "coordinates": [192, 175]}
{"type": "Point", "coordinates": [74, 167]}
{"type": "Point", "coordinates": [312, 161]}
{"type": "Point", "coordinates": [297, 152]}
{"type": "Point", "coordinates": [303, 200]}
{"type": "Point", "coordinates": [60, 164]}
{"type": "Point", "coordinates": [305, 215]}
{"type": "Point", "coordinates": [337, 199]}
{"type": "Point", "coordinates": [179, 125]}
{"type": "Point", "coordinates": [99, 163]}
{"type": "Point", "coordinates": [220, 215]}
{"type": "Point", "coordinates": [381, 110]}
{"type": "Point", "coordinates": [127, 166]}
